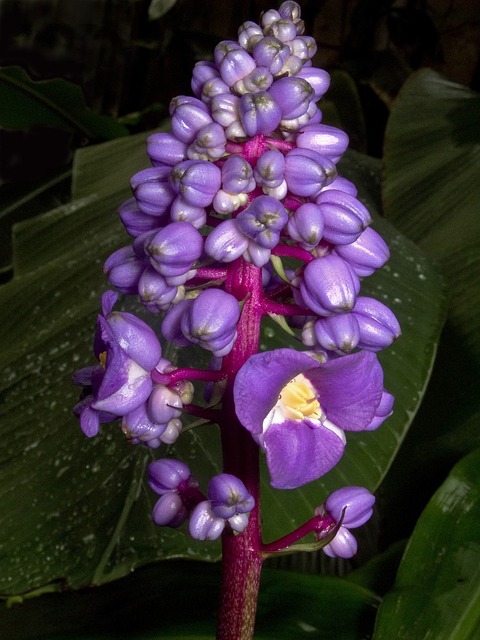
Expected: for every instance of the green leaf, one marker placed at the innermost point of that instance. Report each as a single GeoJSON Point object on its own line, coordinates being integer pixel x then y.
{"type": "Point", "coordinates": [78, 510]}
{"type": "Point", "coordinates": [432, 163]}
{"type": "Point", "coordinates": [437, 590]}
{"type": "Point", "coordinates": [431, 192]}
{"type": "Point", "coordinates": [178, 600]}
{"type": "Point", "coordinates": [54, 103]}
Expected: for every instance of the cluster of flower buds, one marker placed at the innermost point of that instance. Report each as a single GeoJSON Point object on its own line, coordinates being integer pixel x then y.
{"type": "Point", "coordinates": [228, 503]}
{"type": "Point", "coordinates": [246, 180]}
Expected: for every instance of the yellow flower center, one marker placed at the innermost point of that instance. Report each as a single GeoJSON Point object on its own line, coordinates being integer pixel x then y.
{"type": "Point", "coordinates": [298, 400]}
{"type": "Point", "coordinates": [102, 358]}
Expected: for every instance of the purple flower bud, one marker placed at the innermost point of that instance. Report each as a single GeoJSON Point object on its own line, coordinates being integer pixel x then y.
{"type": "Point", "coordinates": [226, 242]}
{"type": "Point", "coordinates": [249, 33]}
{"type": "Point", "coordinates": [211, 321]}
{"type": "Point", "coordinates": [223, 48]}
{"type": "Point", "coordinates": [166, 475]}
{"type": "Point", "coordinates": [181, 211]}
{"type": "Point", "coordinates": [260, 79]}
{"type": "Point", "coordinates": [202, 72]}
{"type": "Point", "coordinates": [209, 143]}
{"type": "Point", "coordinates": [338, 333]}
{"type": "Point", "coordinates": [344, 545]}
{"type": "Point", "coordinates": [225, 109]}
{"type": "Point", "coordinates": [293, 95]}
{"type": "Point", "coordinates": [269, 17]}
{"type": "Point", "coordinates": [259, 256]}
{"type": "Point", "coordinates": [307, 172]}
{"type": "Point", "coordinates": [358, 504]}
{"type": "Point", "coordinates": [152, 190]}
{"type": "Point", "coordinates": [317, 78]}
{"type": "Point", "coordinates": [138, 428]}
{"type": "Point", "coordinates": [341, 184]}
{"type": "Point", "coordinates": [304, 47]}
{"type": "Point", "coordinates": [165, 148]}
{"type": "Point", "coordinates": [203, 524]}
{"type": "Point", "coordinates": [172, 431]}
{"type": "Point", "coordinates": [306, 224]}
{"type": "Point", "coordinates": [196, 181]}
{"type": "Point", "coordinates": [169, 511]}
{"type": "Point", "coordinates": [367, 254]}
{"type": "Point", "coordinates": [329, 286]}
{"type": "Point", "coordinates": [236, 64]}
{"type": "Point", "coordinates": [229, 496]}
{"type": "Point", "coordinates": [290, 10]}
{"type": "Point", "coordinates": [123, 270]}
{"type": "Point", "coordinates": [283, 29]}
{"type": "Point", "coordinates": [259, 113]}
{"type": "Point", "coordinates": [270, 169]}
{"type": "Point", "coordinates": [263, 221]}
{"type": "Point", "coordinates": [344, 216]}
{"type": "Point", "coordinates": [225, 202]}
{"type": "Point", "coordinates": [154, 291]}
{"type": "Point", "coordinates": [171, 325]}
{"type": "Point", "coordinates": [237, 175]}
{"type": "Point", "coordinates": [163, 405]}
{"type": "Point", "coordinates": [269, 52]}
{"type": "Point", "coordinates": [188, 119]}
{"type": "Point", "coordinates": [324, 139]}
{"type": "Point", "coordinates": [135, 221]}
{"type": "Point", "coordinates": [212, 88]}
{"type": "Point", "coordinates": [175, 248]}
{"type": "Point", "coordinates": [312, 115]}
{"type": "Point", "coordinates": [378, 325]}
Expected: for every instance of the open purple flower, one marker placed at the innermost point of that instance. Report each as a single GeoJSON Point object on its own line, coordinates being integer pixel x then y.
{"type": "Point", "coordinates": [297, 409]}
{"type": "Point", "coordinates": [127, 350]}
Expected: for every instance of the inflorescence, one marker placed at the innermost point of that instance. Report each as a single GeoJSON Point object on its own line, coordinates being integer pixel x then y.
{"type": "Point", "coordinates": [241, 216]}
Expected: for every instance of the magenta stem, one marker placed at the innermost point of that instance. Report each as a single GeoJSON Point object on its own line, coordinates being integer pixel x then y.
{"type": "Point", "coordinates": [211, 273]}
{"type": "Point", "coordinates": [241, 554]}
{"type": "Point", "coordinates": [283, 308]}
{"type": "Point", "coordinates": [318, 523]}
{"type": "Point", "coordinates": [187, 374]}
{"type": "Point", "coordinates": [293, 252]}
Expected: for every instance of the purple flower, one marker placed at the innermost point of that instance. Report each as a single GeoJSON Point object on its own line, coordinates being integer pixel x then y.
{"type": "Point", "coordinates": [127, 350]}
{"type": "Point", "coordinates": [298, 408]}
{"type": "Point", "coordinates": [356, 506]}
{"type": "Point", "coordinates": [306, 224]}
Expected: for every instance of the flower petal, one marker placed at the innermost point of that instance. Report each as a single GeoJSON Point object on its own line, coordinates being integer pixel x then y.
{"type": "Point", "coordinates": [260, 380]}
{"type": "Point", "coordinates": [350, 389]}
{"type": "Point", "coordinates": [298, 453]}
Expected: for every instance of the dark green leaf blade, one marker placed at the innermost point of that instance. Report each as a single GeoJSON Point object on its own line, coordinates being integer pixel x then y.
{"type": "Point", "coordinates": [54, 103]}
{"type": "Point", "coordinates": [437, 590]}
